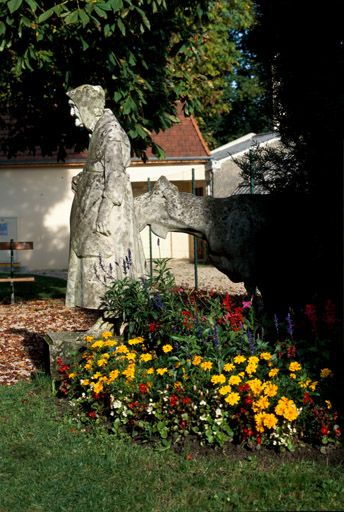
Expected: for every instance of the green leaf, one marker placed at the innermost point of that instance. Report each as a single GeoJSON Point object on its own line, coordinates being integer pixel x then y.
{"type": "Point", "coordinates": [117, 96]}
{"type": "Point", "coordinates": [115, 4]}
{"type": "Point", "coordinates": [100, 12]}
{"type": "Point", "coordinates": [13, 5]}
{"type": "Point", "coordinates": [2, 28]}
{"type": "Point", "coordinates": [84, 44]}
{"type": "Point", "coordinates": [72, 17]}
{"type": "Point", "coordinates": [45, 15]}
{"type": "Point", "coordinates": [25, 21]}
{"type": "Point", "coordinates": [83, 17]}
{"type": "Point", "coordinates": [121, 26]}
{"type": "Point", "coordinates": [32, 4]}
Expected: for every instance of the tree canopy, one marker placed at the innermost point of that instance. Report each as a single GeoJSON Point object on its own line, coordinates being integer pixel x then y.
{"type": "Point", "coordinates": [127, 46]}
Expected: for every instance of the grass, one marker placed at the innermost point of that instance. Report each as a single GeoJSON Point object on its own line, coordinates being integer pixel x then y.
{"type": "Point", "coordinates": [42, 287]}
{"type": "Point", "coordinates": [48, 465]}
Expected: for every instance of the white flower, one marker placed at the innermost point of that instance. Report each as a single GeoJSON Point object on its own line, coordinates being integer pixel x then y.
{"type": "Point", "coordinates": [203, 402]}
{"type": "Point", "coordinates": [117, 404]}
{"type": "Point", "coordinates": [203, 418]}
{"type": "Point", "coordinates": [218, 412]}
{"type": "Point", "coordinates": [83, 395]}
{"type": "Point", "coordinates": [112, 413]}
{"type": "Point", "coordinates": [195, 407]}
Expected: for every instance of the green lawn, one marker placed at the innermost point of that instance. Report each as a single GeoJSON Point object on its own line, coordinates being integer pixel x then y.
{"type": "Point", "coordinates": [48, 465]}
{"type": "Point", "coordinates": [42, 287]}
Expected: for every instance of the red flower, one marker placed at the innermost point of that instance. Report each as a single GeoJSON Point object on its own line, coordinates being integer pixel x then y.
{"type": "Point", "coordinates": [183, 424]}
{"type": "Point", "coordinates": [306, 398]}
{"type": "Point", "coordinates": [248, 400]}
{"type": "Point", "coordinates": [143, 388]}
{"type": "Point", "coordinates": [337, 432]}
{"type": "Point", "coordinates": [324, 431]}
{"type": "Point", "coordinates": [243, 411]}
{"type": "Point", "coordinates": [259, 441]}
{"type": "Point", "coordinates": [92, 414]}
{"type": "Point", "coordinates": [186, 400]}
{"type": "Point", "coordinates": [59, 361]}
{"type": "Point", "coordinates": [173, 400]}
{"type": "Point", "coordinates": [152, 327]}
{"type": "Point", "coordinates": [188, 456]}
{"type": "Point", "coordinates": [250, 433]}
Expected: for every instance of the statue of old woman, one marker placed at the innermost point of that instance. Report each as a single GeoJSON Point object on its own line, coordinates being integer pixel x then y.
{"type": "Point", "coordinates": [105, 243]}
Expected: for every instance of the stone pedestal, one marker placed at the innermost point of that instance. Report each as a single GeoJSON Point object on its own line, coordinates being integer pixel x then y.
{"type": "Point", "coordinates": [62, 344]}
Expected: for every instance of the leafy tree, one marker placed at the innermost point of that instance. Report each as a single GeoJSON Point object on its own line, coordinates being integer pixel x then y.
{"type": "Point", "coordinates": [127, 46]}
{"type": "Point", "coordinates": [225, 80]}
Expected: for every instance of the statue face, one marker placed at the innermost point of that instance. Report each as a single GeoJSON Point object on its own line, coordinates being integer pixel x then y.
{"type": "Point", "coordinates": [74, 112]}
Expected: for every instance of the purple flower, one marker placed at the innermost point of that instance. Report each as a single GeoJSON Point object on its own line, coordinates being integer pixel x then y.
{"type": "Point", "coordinates": [290, 325]}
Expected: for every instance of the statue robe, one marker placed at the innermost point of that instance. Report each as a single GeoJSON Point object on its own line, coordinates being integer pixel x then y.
{"type": "Point", "coordinates": [96, 259]}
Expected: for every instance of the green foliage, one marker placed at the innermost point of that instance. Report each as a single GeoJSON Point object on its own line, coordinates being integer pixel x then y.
{"type": "Point", "coordinates": [48, 48]}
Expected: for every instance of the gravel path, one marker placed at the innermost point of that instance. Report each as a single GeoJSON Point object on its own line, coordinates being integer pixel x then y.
{"type": "Point", "coordinates": [209, 278]}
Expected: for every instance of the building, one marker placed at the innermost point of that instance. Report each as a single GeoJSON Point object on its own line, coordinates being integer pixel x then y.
{"type": "Point", "coordinates": [36, 195]}
{"type": "Point", "coordinates": [224, 177]}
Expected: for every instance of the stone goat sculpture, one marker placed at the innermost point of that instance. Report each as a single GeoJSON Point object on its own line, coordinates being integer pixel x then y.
{"type": "Point", "coordinates": [255, 239]}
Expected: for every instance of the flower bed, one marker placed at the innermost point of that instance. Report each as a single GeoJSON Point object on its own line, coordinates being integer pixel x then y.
{"type": "Point", "coordinates": [197, 364]}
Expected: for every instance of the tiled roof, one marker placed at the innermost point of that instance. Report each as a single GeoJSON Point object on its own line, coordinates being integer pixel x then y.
{"type": "Point", "coordinates": [181, 140]}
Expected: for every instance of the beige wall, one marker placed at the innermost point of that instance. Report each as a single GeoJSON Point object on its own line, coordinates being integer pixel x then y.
{"type": "Point", "coordinates": [40, 198]}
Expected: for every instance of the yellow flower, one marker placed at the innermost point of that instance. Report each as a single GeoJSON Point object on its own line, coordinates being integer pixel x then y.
{"type": "Point", "coordinates": [239, 359]}
{"type": "Point", "coordinates": [325, 372]}
{"type": "Point", "coordinates": [269, 420]}
{"type": "Point", "coordinates": [273, 372]}
{"type": "Point", "coordinates": [71, 375]}
{"type": "Point", "coordinates": [177, 384]}
{"type": "Point", "coordinates": [135, 341]}
{"type": "Point", "coordinates": [85, 382]}
{"type": "Point", "coordinates": [251, 368]}
{"type": "Point", "coordinates": [98, 344]}
{"type": "Point", "coordinates": [88, 366]}
{"type": "Point", "coordinates": [228, 367]}
{"type": "Point", "coordinates": [266, 356]}
{"type": "Point", "coordinates": [314, 385]}
{"type": "Point", "coordinates": [261, 404]}
{"type": "Point", "coordinates": [233, 398]}
{"type": "Point", "coordinates": [167, 348]}
{"type": "Point", "coordinates": [146, 357]}
{"type": "Point", "coordinates": [107, 334]}
{"type": "Point", "coordinates": [328, 403]}
{"type": "Point", "coordinates": [98, 387]}
{"type": "Point", "coordinates": [130, 371]}
{"type": "Point", "coordinates": [294, 366]}
{"type": "Point", "coordinates": [218, 379]}
{"type": "Point", "coordinates": [122, 349]}
{"type": "Point", "coordinates": [292, 375]}
{"type": "Point", "coordinates": [131, 356]}
{"type": "Point", "coordinates": [177, 364]}
{"type": "Point", "coordinates": [256, 386]}
{"type": "Point", "coordinates": [224, 390]}
{"type": "Point", "coordinates": [234, 380]}
{"type": "Point", "coordinates": [253, 360]}
{"type": "Point", "coordinates": [113, 376]}
{"type": "Point", "coordinates": [270, 363]}
{"type": "Point", "coordinates": [207, 365]}
{"type": "Point", "coordinates": [286, 408]}
{"type": "Point", "coordinates": [161, 371]}
{"type": "Point", "coordinates": [97, 375]}
{"type": "Point", "coordinates": [270, 389]}
{"type": "Point", "coordinates": [88, 338]}
{"type": "Point", "coordinates": [110, 343]}
{"type": "Point", "coordinates": [150, 371]}
{"type": "Point", "coordinates": [197, 360]}
{"type": "Point", "coordinates": [259, 419]}
{"type": "Point", "coordinates": [101, 362]}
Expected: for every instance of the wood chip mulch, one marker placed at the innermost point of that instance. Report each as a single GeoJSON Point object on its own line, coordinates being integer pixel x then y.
{"type": "Point", "coordinates": [22, 329]}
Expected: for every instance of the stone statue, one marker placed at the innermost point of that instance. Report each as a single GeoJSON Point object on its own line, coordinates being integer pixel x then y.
{"type": "Point", "coordinates": [105, 242]}
{"type": "Point", "coordinates": [258, 239]}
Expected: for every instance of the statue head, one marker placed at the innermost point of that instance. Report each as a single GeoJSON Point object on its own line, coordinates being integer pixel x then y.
{"type": "Point", "coordinates": [87, 105]}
